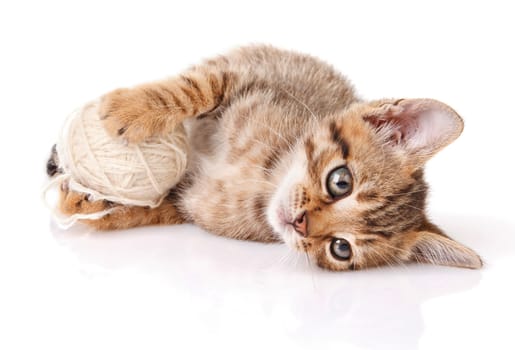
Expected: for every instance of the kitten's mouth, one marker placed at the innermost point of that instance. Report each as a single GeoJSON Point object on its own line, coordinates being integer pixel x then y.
{"type": "Point", "coordinates": [284, 226]}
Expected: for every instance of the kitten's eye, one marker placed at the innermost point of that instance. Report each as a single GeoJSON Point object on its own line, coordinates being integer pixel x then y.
{"type": "Point", "coordinates": [340, 249]}
{"type": "Point", "coordinates": [339, 182]}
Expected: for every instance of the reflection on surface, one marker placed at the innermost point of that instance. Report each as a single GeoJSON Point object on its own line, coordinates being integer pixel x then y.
{"type": "Point", "coordinates": [232, 286]}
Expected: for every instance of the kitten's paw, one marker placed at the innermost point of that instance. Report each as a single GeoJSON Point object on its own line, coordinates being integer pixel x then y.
{"type": "Point", "coordinates": [135, 114]}
{"type": "Point", "coordinates": [71, 202]}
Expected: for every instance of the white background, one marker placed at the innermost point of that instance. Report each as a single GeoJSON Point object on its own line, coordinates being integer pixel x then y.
{"type": "Point", "coordinates": [180, 287]}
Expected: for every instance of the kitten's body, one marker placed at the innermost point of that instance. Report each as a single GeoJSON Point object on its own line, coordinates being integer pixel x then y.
{"type": "Point", "coordinates": [269, 128]}
{"type": "Point", "coordinates": [240, 156]}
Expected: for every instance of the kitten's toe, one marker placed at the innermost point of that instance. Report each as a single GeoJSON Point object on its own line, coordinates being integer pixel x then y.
{"type": "Point", "coordinates": [79, 203]}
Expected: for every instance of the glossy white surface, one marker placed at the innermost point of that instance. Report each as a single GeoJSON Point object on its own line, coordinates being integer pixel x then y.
{"type": "Point", "coordinates": [182, 288]}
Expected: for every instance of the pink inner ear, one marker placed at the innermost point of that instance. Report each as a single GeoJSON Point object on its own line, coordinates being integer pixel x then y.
{"type": "Point", "coordinates": [428, 128]}
{"type": "Point", "coordinates": [418, 124]}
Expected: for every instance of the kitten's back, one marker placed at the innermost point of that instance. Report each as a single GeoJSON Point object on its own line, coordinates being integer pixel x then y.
{"type": "Point", "coordinates": [302, 83]}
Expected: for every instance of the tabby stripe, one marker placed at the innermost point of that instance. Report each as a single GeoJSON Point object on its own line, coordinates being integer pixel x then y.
{"type": "Point", "coordinates": [271, 161]}
{"type": "Point", "coordinates": [192, 99]}
{"type": "Point", "coordinates": [223, 87]}
{"type": "Point", "coordinates": [314, 169]}
{"type": "Point", "coordinates": [177, 102]}
{"type": "Point", "coordinates": [259, 205]}
{"type": "Point", "coordinates": [193, 84]}
{"type": "Point", "coordinates": [213, 84]}
{"type": "Point", "coordinates": [384, 220]}
{"type": "Point", "coordinates": [337, 138]}
{"type": "Point", "coordinates": [161, 99]}
{"type": "Point", "coordinates": [310, 148]}
{"type": "Point", "coordinates": [155, 98]}
{"type": "Point", "coordinates": [367, 196]}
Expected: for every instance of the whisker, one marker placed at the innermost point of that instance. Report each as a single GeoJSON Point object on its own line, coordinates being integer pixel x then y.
{"type": "Point", "coordinates": [259, 181]}
{"type": "Point", "coordinates": [286, 257]}
{"type": "Point", "coordinates": [236, 207]}
{"type": "Point", "coordinates": [269, 148]}
{"type": "Point", "coordinates": [412, 206]}
{"type": "Point", "coordinates": [406, 193]}
{"type": "Point", "coordinates": [288, 143]}
{"type": "Point", "coordinates": [378, 176]}
{"type": "Point", "coordinates": [301, 103]}
{"type": "Point", "coordinates": [311, 270]}
{"type": "Point", "coordinates": [386, 257]}
{"type": "Point", "coordinates": [406, 204]}
{"type": "Point", "coordinates": [268, 171]}
{"type": "Point", "coordinates": [386, 244]}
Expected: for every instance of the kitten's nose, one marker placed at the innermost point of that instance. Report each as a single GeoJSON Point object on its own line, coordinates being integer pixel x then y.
{"type": "Point", "coordinates": [301, 224]}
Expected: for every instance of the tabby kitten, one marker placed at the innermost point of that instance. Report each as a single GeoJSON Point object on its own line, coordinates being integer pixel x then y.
{"type": "Point", "coordinates": [283, 150]}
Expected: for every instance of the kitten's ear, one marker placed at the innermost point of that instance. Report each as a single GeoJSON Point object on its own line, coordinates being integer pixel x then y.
{"type": "Point", "coordinates": [419, 127]}
{"type": "Point", "coordinates": [438, 249]}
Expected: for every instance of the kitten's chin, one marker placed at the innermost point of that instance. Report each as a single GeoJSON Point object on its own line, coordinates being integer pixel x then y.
{"type": "Point", "coordinates": [290, 238]}
{"type": "Point", "coordinates": [279, 214]}
{"type": "Point", "coordinates": [279, 219]}
{"type": "Point", "coordinates": [275, 219]}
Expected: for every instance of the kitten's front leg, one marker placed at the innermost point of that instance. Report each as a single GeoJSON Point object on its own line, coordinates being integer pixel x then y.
{"type": "Point", "coordinates": [155, 109]}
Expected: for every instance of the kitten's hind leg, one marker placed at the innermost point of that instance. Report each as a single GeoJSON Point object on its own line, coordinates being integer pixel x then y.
{"type": "Point", "coordinates": [122, 217]}
{"type": "Point", "coordinates": [156, 108]}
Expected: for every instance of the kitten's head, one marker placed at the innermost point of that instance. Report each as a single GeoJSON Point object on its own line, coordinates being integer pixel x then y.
{"type": "Point", "coordinates": [354, 194]}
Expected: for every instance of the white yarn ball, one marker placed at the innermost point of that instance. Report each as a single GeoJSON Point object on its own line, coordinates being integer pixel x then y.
{"type": "Point", "coordinates": [107, 168]}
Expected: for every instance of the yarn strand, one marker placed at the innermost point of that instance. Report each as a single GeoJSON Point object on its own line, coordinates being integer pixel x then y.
{"type": "Point", "coordinates": [150, 175]}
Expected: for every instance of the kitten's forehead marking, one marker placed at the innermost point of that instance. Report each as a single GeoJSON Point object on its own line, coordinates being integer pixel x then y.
{"type": "Point", "coordinates": [336, 137]}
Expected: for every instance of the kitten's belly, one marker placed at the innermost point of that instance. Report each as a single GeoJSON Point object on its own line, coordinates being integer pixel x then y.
{"type": "Point", "coordinates": [229, 193]}
{"type": "Point", "coordinates": [231, 161]}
